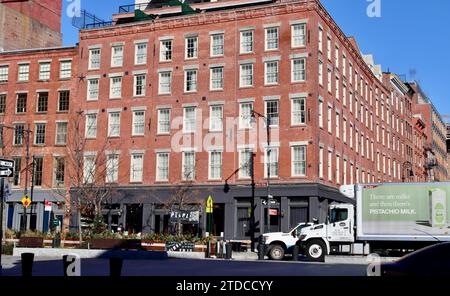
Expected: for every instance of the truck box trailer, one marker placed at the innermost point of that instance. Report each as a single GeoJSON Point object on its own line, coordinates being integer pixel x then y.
{"type": "Point", "coordinates": [386, 217]}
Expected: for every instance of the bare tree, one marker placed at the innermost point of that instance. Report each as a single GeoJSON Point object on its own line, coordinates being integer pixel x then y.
{"type": "Point", "coordinates": [91, 174]}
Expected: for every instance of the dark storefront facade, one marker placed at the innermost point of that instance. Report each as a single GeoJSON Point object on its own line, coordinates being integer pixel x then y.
{"type": "Point", "coordinates": [143, 210]}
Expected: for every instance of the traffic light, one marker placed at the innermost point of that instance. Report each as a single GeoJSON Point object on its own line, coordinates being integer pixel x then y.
{"type": "Point", "coordinates": [226, 187]}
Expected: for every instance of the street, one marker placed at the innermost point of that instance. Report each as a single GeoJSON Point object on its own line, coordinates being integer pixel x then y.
{"type": "Point", "coordinates": [183, 267]}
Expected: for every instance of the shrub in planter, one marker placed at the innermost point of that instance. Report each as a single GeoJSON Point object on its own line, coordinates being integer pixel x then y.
{"type": "Point", "coordinates": [11, 234]}
{"type": "Point", "coordinates": [7, 249]}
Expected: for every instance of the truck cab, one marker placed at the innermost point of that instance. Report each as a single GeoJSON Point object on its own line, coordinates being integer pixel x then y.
{"type": "Point", "coordinates": [281, 243]}
{"type": "Point", "coordinates": [317, 240]}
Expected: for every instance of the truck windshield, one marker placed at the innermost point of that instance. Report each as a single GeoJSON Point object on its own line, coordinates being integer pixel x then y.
{"type": "Point", "coordinates": [337, 215]}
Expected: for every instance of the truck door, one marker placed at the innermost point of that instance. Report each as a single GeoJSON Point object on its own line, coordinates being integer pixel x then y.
{"type": "Point", "coordinates": [340, 224]}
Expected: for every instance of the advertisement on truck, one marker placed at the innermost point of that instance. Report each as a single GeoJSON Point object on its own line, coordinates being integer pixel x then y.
{"type": "Point", "coordinates": [404, 211]}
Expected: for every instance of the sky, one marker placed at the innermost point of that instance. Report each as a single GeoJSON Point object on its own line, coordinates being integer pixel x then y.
{"type": "Point", "coordinates": [407, 37]}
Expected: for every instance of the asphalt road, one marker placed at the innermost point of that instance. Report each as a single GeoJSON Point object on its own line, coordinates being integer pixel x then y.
{"type": "Point", "coordinates": [184, 267]}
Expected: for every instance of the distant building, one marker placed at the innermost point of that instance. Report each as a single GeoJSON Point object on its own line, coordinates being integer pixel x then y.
{"type": "Point", "coordinates": [30, 24]}
{"type": "Point", "coordinates": [436, 132]}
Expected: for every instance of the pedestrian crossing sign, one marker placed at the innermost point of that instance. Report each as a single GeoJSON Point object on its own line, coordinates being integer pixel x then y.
{"type": "Point", "coordinates": [26, 201]}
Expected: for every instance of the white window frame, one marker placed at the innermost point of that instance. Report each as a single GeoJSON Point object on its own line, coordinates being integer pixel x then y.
{"type": "Point", "coordinates": [245, 123]}
{"type": "Point", "coordinates": [214, 46]}
{"type": "Point", "coordinates": [91, 91]}
{"type": "Point", "coordinates": [296, 37]}
{"type": "Point", "coordinates": [59, 133]}
{"type": "Point", "coordinates": [117, 56]}
{"type": "Point", "coordinates": [136, 124]}
{"type": "Point", "coordinates": [193, 82]}
{"type": "Point", "coordinates": [65, 72]}
{"type": "Point", "coordinates": [167, 89]}
{"type": "Point", "coordinates": [295, 162]}
{"type": "Point", "coordinates": [300, 72]}
{"type": "Point", "coordinates": [251, 44]}
{"type": "Point", "coordinates": [250, 75]}
{"type": "Point", "coordinates": [214, 83]}
{"type": "Point", "coordinates": [159, 167]}
{"type": "Point", "coordinates": [143, 87]}
{"type": "Point", "coordinates": [266, 40]}
{"type": "Point", "coordinates": [212, 166]}
{"type": "Point", "coordinates": [140, 58]}
{"type": "Point", "coordinates": [301, 112]}
{"type": "Point", "coordinates": [112, 168]}
{"type": "Point", "coordinates": [93, 127]}
{"type": "Point", "coordinates": [110, 128]}
{"type": "Point", "coordinates": [164, 51]}
{"type": "Point", "coordinates": [274, 74]}
{"type": "Point", "coordinates": [115, 87]}
{"type": "Point", "coordinates": [273, 151]}
{"type": "Point", "coordinates": [4, 74]}
{"type": "Point", "coordinates": [136, 168]}
{"type": "Point", "coordinates": [23, 72]}
{"type": "Point", "coordinates": [215, 123]}
{"type": "Point", "coordinates": [184, 173]}
{"type": "Point", "coordinates": [44, 71]}
{"type": "Point", "coordinates": [194, 49]}
{"type": "Point", "coordinates": [189, 122]}
{"type": "Point", "coordinates": [94, 64]}
{"type": "Point", "coordinates": [160, 112]}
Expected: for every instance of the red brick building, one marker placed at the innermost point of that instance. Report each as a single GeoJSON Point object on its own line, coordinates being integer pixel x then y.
{"type": "Point", "coordinates": [172, 98]}
{"type": "Point", "coordinates": [30, 24]}
{"type": "Point", "coordinates": [36, 93]}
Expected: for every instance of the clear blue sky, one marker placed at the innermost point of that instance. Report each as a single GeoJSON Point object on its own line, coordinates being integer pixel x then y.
{"type": "Point", "coordinates": [409, 35]}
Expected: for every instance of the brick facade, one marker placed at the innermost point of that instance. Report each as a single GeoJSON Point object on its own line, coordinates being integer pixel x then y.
{"type": "Point", "coordinates": [31, 24]}
{"type": "Point", "coordinates": [335, 118]}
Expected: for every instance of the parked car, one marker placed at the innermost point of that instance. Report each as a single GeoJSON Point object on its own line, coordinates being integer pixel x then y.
{"type": "Point", "coordinates": [430, 261]}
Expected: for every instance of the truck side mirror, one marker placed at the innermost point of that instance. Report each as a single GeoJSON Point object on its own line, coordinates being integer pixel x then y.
{"type": "Point", "coordinates": [315, 220]}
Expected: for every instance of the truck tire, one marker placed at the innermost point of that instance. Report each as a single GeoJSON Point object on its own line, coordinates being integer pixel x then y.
{"type": "Point", "coordinates": [316, 250]}
{"type": "Point", "coordinates": [276, 252]}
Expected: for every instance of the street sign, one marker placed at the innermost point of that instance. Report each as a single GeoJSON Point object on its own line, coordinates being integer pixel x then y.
{"type": "Point", "coordinates": [26, 201]}
{"type": "Point", "coordinates": [47, 206]}
{"type": "Point", "coordinates": [273, 212]}
{"type": "Point", "coordinates": [209, 205]}
{"type": "Point", "coordinates": [6, 168]}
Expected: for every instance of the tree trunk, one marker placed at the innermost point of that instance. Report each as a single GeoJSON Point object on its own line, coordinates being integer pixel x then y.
{"type": "Point", "coordinates": [80, 235]}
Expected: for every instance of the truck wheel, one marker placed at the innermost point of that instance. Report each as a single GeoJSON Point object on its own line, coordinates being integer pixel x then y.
{"type": "Point", "coordinates": [276, 252]}
{"type": "Point", "coordinates": [316, 250]}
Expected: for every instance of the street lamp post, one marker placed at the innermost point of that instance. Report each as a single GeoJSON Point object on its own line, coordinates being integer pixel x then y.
{"type": "Point", "coordinates": [269, 150]}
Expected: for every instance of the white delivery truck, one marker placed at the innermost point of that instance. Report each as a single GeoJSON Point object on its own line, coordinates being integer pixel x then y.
{"type": "Point", "coordinates": [386, 218]}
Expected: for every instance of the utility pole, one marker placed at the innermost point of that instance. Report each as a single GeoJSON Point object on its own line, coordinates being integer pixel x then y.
{"type": "Point", "coordinates": [27, 161]}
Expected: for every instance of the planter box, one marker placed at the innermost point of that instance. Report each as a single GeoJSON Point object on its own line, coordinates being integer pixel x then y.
{"type": "Point", "coordinates": [31, 242]}
{"type": "Point", "coordinates": [123, 244]}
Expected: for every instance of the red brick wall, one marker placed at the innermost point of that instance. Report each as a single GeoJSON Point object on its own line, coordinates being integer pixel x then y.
{"type": "Point", "coordinates": [49, 150]}
{"type": "Point", "coordinates": [311, 132]}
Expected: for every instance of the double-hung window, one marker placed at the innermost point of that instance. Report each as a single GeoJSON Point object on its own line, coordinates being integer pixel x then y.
{"type": "Point", "coordinates": [137, 167]}
{"type": "Point", "coordinates": [190, 80]}
{"type": "Point", "coordinates": [113, 124]}
{"type": "Point", "coordinates": [4, 72]}
{"type": "Point", "coordinates": [138, 122]}
{"type": "Point", "coordinates": [217, 45]}
{"type": "Point", "coordinates": [39, 134]}
{"type": "Point", "coordinates": [189, 121]}
{"type": "Point", "coordinates": [215, 165]}
{"type": "Point", "coordinates": [165, 52]}
{"type": "Point", "coordinates": [93, 89]}
{"type": "Point", "coordinates": [165, 82]}
{"type": "Point", "coordinates": [94, 58]}
{"type": "Point", "coordinates": [139, 84]}
{"type": "Point", "coordinates": [61, 133]}
{"type": "Point", "coordinates": [271, 72]}
{"type": "Point", "coordinates": [162, 166]}
{"type": "Point", "coordinates": [273, 112]}
{"type": "Point", "coordinates": [216, 82]}
{"type": "Point", "coordinates": [298, 115]}
{"type": "Point", "coordinates": [271, 35]}
{"type": "Point", "coordinates": [65, 69]}
{"type": "Point", "coordinates": [24, 72]}
{"type": "Point", "coordinates": [163, 121]}
{"type": "Point", "coordinates": [115, 90]}
{"type": "Point", "coordinates": [91, 125]}
{"type": "Point", "coordinates": [44, 71]}
{"type": "Point", "coordinates": [140, 53]}
{"type": "Point", "coordinates": [117, 56]}
{"type": "Point", "coordinates": [191, 47]}
{"type": "Point", "coordinates": [246, 41]}
{"type": "Point", "coordinates": [246, 75]}
{"type": "Point", "coordinates": [245, 115]}
{"type": "Point", "coordinates": [188, 165]}
{"type": "Point", "coordinates": [112, 168]}
{"type": "Point", "coordinates": [298, 35]}
{"type": "Point", "coordinates": [298, 73]}
{"type": "Point", "coordinates": [298, 161]}
{"type": "Point", "coordinates": [216, 118]}
{"type": "Point", "coordinates": [271, 162]}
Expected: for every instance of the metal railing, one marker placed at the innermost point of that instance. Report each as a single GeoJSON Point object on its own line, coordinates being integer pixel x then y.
{"type": "Point", "coordinates": [132, 7]}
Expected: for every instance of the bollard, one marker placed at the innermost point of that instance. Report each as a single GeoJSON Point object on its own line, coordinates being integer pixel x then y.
{"type": "Point", "coordinates": [224, 249]}
{"type": "Point", "coordinates": [115, 266]}
{"type": "Point", "coordinates": [295, 252]}
{"type": "Point", "coordinates": [229, 254]}
{"type": "Point", "coordinates": [208, 250]}
{"type": "Point", "coordinates": [27, 264]}
{"type": "Point", "coordinates": [261, 251]}
{"type": "Point", "coordinates": [218, 249]}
